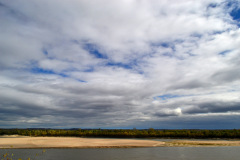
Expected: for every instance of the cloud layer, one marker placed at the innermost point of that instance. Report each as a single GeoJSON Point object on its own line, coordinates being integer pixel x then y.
{"type": "Point", "coordinates": [112, 64]}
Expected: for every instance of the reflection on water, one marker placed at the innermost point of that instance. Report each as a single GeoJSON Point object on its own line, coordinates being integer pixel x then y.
{"type": "Point", "coordinates": [158, 153]}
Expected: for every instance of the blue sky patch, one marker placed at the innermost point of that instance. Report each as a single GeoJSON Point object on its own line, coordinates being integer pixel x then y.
{"type": "Point", "coordinates": [38, 70]}
{"type": "Point", "coordinates": [167, 96]}
{"type": "Point", "coordinates": [166, 45]}
{"type": "Point", "coordinates": [235, 14]}
{"type": "Point", "coordinates": [45, 52]}
{"type": "Point", "coordinates": [41, 71]}
{"type": "Point", "coordinates": [225, 52]}
{"type": "Point", "coordinates": [92, 49]}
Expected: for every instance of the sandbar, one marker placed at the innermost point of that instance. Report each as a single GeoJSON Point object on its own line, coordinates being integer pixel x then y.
{"type": "Point", "coordinates": [74, 142]}
{"type": "Point", "coordinates": [16, 141]}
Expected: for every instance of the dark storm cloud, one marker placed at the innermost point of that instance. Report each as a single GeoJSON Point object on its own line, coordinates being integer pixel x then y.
{"type": "Point", "coordinates": [160, 114]}
{"type": "Point", "coordinates": [76, 105]}
{"type": "Point", "coordinates": [11, 108]}
{"type": "Point", "coordinates": [213, 107]}
{"type": "Point", "coordinates": [193, 84]}
{"type": "Point", "coordinates": [195, 122]}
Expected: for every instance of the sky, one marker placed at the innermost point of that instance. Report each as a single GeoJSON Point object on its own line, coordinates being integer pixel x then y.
{"type": "Point", "coordinates": [163, 64]}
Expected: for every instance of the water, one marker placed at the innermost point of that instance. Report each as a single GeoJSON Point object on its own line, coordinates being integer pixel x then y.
{"type": "Point", "coordinates": [157, 153]}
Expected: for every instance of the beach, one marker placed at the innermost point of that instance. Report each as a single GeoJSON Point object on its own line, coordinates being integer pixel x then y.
{"type": "Point", "coordinates": [73, 142]}
{"type": "Point", "coordinates": [16, 141]}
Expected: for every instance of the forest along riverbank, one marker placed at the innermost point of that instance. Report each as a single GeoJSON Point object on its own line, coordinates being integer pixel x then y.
{"type": "Point", "coordinates": [15, 141]}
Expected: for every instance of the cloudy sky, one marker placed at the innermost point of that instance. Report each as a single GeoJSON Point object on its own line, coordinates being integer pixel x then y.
{"type": "Point", "coordinates": [120, 64]}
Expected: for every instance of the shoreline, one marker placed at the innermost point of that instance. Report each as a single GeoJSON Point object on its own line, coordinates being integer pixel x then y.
{"type": "Point", "coordinates": [73, 142]}
{"type": "Point", "coordinates": [25, 142]}
{"type": "Point", "coordinates": [202, 143]}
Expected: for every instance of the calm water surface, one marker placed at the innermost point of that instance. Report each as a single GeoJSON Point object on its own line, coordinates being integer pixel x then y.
{"type": "Point", "coordinates": [158, 153]}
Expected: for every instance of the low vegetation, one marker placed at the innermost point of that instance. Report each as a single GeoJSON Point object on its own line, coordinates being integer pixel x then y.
{"type": "Point", "coordinates": [6, 154]}
{"type": "Point", "coordinates": [125, 133]}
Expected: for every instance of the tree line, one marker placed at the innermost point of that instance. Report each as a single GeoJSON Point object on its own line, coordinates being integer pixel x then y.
{"type": "Point", "coordinates": [126, 133]}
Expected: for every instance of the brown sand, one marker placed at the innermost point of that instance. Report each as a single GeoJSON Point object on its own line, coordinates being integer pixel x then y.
{"type": "Point", "coordinates": [74, 142]}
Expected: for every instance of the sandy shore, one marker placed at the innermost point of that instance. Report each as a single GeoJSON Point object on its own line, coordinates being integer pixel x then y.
{"type": "Point", "coordinates": [75, 142]}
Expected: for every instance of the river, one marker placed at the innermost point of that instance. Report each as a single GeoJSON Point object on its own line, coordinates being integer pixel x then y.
{"type": "Point", "coordinates": [157, 153]}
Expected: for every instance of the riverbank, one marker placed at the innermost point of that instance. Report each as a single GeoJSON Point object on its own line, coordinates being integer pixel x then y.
{"type": "Point", "coordinates": [73, 142]}
{"type": "Point", "coordinates": [15, 141]}
{"type": "Point", "coordinates": [202, 143]}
